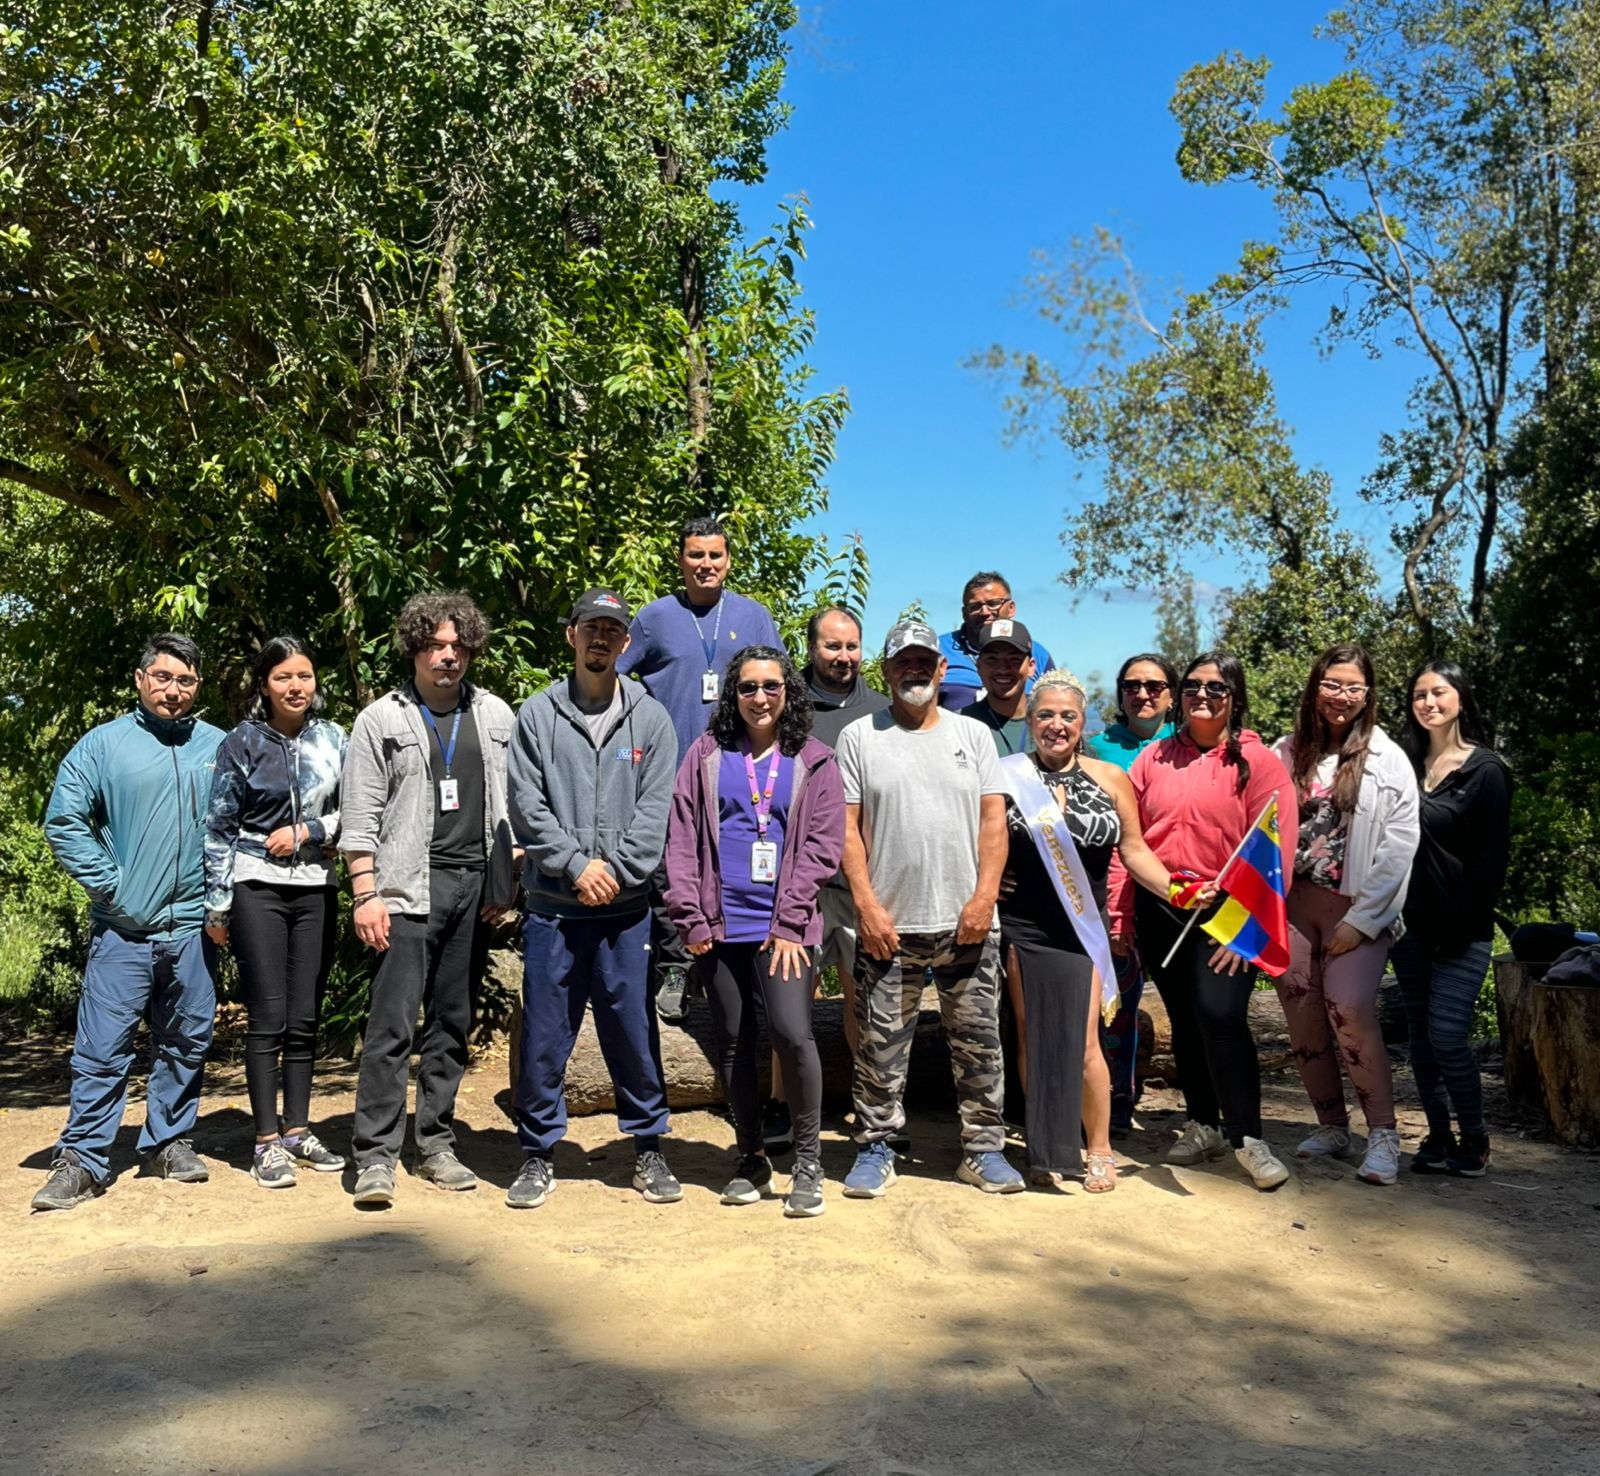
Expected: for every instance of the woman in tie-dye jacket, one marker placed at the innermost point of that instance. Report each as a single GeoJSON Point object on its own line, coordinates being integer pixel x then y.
{"type": "Point", "coordinates": [271, 892]}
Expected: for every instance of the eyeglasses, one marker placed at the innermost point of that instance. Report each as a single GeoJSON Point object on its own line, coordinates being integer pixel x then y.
{"type": "Point", "coordinates": [172, 679]}
{"type": "Point", "coordinates": [1214, 690]}
{"type": "Point", "coordinates": [973, 606]}
{"type": "Point", "coordinates": [1350, 689]}
{"type": "Point", "coordinates": [749, 689]}
{"type": "Point", "coordinates": [1133, 689]}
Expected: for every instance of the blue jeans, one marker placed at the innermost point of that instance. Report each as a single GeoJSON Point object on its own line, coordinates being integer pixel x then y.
{"type": "Point", "coordinates": [175, 980]}
{"type": "Point", "coordinates": [1440, 993]}
{"type": "Point", "coordinates": [568, 963]}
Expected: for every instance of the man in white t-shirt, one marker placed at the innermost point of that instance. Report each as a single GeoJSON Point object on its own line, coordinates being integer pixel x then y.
{"type": "Point", "coordinates": [925, 843]}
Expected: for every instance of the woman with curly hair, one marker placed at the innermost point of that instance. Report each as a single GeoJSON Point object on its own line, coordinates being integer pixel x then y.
{"type": "Point", "coordinates": [1358, 833]}
{"type": "Point", "coordinates": [756, 831]}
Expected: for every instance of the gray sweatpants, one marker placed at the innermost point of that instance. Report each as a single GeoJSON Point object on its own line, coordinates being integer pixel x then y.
{"type": "Point", "coordinates": [888, 1000]}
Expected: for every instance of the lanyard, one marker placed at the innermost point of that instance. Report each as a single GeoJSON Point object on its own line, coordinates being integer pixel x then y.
{"type": "Point", "coordinates": [761, 802]}
{"type": "Point", "coordinates": [709, 647]}
{"type": "Point", "coordinates": [455, 728]}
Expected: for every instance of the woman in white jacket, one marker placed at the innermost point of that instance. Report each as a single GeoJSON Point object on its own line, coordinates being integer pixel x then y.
{"type": "Point", "coordinates": [1358, 834]}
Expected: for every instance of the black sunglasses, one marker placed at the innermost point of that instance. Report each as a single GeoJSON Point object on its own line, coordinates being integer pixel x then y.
{"type": "Point", "coordinates": [1214, 690]}
{"type": "Point", "coordinates": [1133, 689]}
{"type": "Point", "coordinates": [749, 689]}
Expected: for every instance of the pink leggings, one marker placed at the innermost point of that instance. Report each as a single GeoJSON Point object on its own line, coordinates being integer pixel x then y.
{"type": "Point", "coordinates": [1327, 999]}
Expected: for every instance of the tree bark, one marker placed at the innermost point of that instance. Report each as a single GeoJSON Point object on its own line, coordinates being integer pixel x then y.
{"type": "Point", "coordinates": [349, 606]}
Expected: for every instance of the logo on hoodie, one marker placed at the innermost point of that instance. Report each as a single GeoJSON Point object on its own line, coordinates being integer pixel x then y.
{"type": "Point", "coordinates": [627, 755]}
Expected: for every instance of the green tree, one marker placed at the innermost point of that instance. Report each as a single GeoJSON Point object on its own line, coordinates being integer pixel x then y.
{"type": "Point", "coordinates": [309, 305]}
{"type": "Point", "coordinates": [1178, 623]}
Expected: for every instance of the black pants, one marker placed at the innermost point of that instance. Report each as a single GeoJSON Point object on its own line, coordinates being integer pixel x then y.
{"type": "Point", "coordinates": [282, 938]}
{"type": "Point", "coordinates": [1217, 1067]}
{"type": "Point", "coordinates": [737, 975]}
{"type": "Point", "coordinates": [666, 946]}
{"type": "Point", "coordinates": [435, 964]}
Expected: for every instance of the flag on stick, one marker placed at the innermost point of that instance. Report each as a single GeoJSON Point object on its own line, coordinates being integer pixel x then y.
{"type": "Point", "coordinates": [1253, 922]}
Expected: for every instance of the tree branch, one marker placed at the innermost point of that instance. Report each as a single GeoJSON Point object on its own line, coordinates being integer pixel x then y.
{"type": "Point", "coordinates": [97, 503]}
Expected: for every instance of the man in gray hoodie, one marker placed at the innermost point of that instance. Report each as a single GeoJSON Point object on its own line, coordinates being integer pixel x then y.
{"type": "Point", "coordinates": [590, 786]}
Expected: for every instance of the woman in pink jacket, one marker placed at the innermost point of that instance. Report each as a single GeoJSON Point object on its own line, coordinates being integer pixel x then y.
{"type": "Point", "coordinates": [1199, 793]}
{"type": "Point", "coordinates": [756, 831]}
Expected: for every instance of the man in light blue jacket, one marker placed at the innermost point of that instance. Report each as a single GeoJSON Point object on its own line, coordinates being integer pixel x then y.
{"type": "Point", "coordinates": [127, 821]}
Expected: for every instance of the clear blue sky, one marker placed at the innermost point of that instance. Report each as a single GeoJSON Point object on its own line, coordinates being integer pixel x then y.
{"type": "Point", "coordinates": [939, 144]}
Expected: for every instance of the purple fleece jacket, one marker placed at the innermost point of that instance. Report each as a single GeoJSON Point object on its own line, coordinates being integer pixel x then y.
{"type": "Point", "coordinates": [813, 843]}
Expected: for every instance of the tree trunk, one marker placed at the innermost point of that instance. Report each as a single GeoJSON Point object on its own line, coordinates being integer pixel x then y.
{"type": "Point", "coordinates": [1514, 984]}
{"type": "Point", "coordinates": [1566, 1045]}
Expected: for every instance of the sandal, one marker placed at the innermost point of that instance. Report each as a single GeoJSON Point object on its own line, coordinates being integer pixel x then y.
{"type": "Point", "coordinates": [1099, 1173]}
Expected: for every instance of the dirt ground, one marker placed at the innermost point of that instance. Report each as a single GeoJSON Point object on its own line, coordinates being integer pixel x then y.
{"type": "Point", "coordinates": [1185, 1323]}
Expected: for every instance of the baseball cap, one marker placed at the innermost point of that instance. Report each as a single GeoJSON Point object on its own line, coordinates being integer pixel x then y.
{"type": "Point", "coordinates": [909, 633]}
{"type": "Point", "coordinates": [1006, 633]}
{"type": "Point", "coordinates": [600, 603]}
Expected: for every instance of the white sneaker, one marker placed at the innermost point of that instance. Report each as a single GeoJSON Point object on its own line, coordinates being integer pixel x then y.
{"type": "Point", "coordinates": [1261, 1163]}
{"type": "Point", "coordinates": [1196, 1143]}
{"type": "Point", "coordinates": [1326, 1142]}
{"type": "Point", "coordinates": [1382, 1162]}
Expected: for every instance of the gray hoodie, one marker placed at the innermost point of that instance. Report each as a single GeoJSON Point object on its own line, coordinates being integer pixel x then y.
{"type": "Point", "coordinates": [571, 802]}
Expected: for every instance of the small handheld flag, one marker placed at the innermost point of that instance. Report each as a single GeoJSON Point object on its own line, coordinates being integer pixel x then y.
{"type": "Point", "coordinates": [1254, 921]}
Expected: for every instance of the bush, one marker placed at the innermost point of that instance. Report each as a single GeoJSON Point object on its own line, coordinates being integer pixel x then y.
{"type": "Point", "coordinates": [44, 919]}
{"type": "Point", "coordinates": [1554, 871]}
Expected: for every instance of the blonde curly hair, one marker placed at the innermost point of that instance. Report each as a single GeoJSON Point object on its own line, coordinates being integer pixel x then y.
{"type": "Point", "coordinates": [1060, 679]}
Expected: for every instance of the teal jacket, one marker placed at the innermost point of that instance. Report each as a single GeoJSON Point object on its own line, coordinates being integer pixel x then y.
{"type": "Point", "coordinates": [127, 821]}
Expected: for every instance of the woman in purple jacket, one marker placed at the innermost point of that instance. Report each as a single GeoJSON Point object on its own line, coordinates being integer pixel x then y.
{"type": "Point", "coordinates": [757, 829]}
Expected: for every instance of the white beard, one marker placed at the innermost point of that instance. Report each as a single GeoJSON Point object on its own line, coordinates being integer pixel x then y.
{"type": "Point", "coordinates": [915, 694]}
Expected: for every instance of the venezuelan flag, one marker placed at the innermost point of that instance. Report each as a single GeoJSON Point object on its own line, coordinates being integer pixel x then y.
{"type": "Point", "coordinates": [1253, 922]}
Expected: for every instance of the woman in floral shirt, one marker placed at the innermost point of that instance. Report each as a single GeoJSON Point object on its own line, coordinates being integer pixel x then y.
{"type": "Point", "coordinates": [1358, 833]}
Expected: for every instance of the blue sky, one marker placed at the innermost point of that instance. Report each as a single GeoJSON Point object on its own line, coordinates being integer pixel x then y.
{"type": "Point", "coordinates": [938, 145]}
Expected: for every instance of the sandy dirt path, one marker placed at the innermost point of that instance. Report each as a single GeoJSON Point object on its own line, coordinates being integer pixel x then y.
{"type": "Point", "coordinates": [1184, 1323]}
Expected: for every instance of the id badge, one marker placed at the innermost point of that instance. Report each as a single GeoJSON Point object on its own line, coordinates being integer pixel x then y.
{"type": "Point", "coordinates": [763, 861]}
{"type": "Point", "coordinates": [710, 685]}
{"type": "Point", "coordinates": [449, 795]}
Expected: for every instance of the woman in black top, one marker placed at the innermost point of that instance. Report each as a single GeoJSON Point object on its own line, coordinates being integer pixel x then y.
{"type": "Point", "coordinates": [1063, 1071]}
{"type": "Point", "coordinates": [1443, 956]}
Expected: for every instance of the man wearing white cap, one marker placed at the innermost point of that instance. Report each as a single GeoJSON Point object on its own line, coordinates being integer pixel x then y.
{"type": "Point", "coordinates": [925, 843]}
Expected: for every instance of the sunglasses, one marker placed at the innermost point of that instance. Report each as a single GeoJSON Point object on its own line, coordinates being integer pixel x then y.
{"type": "Point", "coordinates": [1153, 689]}
{"type": "Point", "coordinates": [749, 689]}
{"type": "Point", "coordinates": [1216, 691]}
{"type": "Point", "coordinates": [1350, 689]}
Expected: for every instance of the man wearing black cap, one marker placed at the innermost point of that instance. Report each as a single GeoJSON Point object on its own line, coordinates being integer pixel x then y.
{"type": "Point", "coordinates": [589, 781]}
{"type": "Point", "coordinates": [1006, 669]}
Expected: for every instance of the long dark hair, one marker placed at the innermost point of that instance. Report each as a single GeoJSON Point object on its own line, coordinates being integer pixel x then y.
{"type": "Point", "coordinates": [1311, 733]}
{"type": "Point", "coordinates": [276, 651]}
{"type": "Point", "coordinates": [1415, 737]}
{"type": "Point", "coordinates": [1233, 676]}
{"type": "Point", "coordinates": [1168, 670]}
{"type": "Point", "coordinates": [794, 722]}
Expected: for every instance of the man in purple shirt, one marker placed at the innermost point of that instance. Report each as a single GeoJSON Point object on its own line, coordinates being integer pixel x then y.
{"type": "Point", "coordinates": [679, 647]}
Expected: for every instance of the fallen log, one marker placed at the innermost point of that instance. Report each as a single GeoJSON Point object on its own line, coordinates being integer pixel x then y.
{"type": "Point", "coordinates": [1566, 1051]}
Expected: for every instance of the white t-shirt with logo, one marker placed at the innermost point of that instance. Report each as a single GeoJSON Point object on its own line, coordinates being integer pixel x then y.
{"type": "Point", "coordinates": [921, 798]}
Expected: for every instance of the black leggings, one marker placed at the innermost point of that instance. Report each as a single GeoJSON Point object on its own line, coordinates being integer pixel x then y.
{"type": "Point", "coordinates": [736, 975]}
{"type": "Point", "coordinates": [1211, 1042]}
{"type": "Point", "coordinates": [282, 938]}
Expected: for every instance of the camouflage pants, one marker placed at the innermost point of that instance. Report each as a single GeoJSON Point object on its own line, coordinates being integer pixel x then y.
{"type": "Point", "coordinates": [888, 1000]}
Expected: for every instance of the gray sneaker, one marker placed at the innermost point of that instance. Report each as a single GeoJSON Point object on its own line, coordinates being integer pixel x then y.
{"type": "Point", "coordinates": [375, 1184]}
{"type": "Point", "coordinates": [535, 1184]}
{"type": "Point", "coordinates": [804, 1200]}
{"type": "Point", "coordinates": [653, 1179]}
{"type": "Point", "coordinates": [753, 1180]}
{"type": "Point", "coordinates": [672, 998]}
{"type": "Point", "coordinates": [69, 1184]}
{"type": "Point", "coordinates": [272, 1168]}
{"type": "Point", "coordinates": [445, 1171]}
{"type": "Point", "coordinates": [309, 1149]}
{"type": "Point", "coordinates": [178, 1160]}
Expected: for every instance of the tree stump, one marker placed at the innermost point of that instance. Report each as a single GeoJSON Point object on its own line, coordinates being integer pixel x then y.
{"type": "Point", "coordinates": [1566, 1050]}
{"type": "Point", "coordinates": [1514, 985]}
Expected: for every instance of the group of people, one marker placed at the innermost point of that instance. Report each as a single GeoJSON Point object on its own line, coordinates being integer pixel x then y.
{"type": "Point", "coordinates": [730, 823]}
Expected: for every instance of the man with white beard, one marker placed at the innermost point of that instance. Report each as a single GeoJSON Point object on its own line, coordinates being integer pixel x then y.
{"type": "Point", "coordinates": [925, 843]}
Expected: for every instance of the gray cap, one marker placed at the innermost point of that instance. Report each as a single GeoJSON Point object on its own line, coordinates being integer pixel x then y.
{"type": "Point", "coordinates": [909, 633]}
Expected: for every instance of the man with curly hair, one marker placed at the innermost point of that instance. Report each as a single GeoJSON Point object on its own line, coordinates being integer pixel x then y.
{"type": "Point", "coordinates": [428, 841]}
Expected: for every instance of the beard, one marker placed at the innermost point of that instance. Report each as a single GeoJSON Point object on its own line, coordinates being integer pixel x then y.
{"type": "Point", "coordinates": [915, 693]}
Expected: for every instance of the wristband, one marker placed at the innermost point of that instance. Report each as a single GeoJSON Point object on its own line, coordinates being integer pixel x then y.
{"type": "Point", "coordinates": [1183, 889]}
{"type": "Point", "coordinates": [362, 897]}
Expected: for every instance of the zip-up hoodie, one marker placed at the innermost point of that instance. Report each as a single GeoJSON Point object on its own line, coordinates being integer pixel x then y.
{"type": "Point", "coordinates": [813, 842]}
{"type": "Point", "coordinates": [572, 802]}
{"type": "Point", "coordinates": [264, 780]}
{"type": "Point", "coordinates": [126, 821]}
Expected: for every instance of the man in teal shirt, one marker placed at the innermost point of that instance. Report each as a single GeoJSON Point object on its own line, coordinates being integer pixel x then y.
{"type": "Point", "coordinates": [1006, 669]}
{"type": "Point", "coordinates": [127, 821]}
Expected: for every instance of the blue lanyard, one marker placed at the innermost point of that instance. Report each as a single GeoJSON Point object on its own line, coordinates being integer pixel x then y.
{"type": "Point", "coordinates": [709, 647]}
{"type": "Point", "coordinates": [455, 728]}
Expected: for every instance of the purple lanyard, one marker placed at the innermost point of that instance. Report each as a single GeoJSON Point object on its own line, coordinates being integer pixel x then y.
{"type": "Point", "coordinates": [761, 802]}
